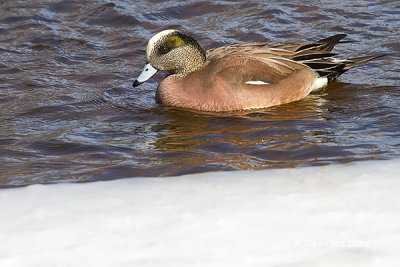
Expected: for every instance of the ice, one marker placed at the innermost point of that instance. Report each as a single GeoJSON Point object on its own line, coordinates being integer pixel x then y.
{"type": "Point", "coordinates": [334, 215]}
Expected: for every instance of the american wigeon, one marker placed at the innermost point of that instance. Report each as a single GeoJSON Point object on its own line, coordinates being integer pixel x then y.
{"type": "Point", "coordinates": [240, 76]}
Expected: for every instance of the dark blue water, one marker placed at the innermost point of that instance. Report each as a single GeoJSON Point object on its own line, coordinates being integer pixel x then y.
{"type": "Point", "coordinates": [69, 112]}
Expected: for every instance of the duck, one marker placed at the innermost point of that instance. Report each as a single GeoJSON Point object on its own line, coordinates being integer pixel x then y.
{"type": "Point", "coordinates": [240, 76]}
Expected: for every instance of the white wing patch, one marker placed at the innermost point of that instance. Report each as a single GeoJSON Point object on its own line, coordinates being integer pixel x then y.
{"type": "Point", "coordinates": [256, 82]}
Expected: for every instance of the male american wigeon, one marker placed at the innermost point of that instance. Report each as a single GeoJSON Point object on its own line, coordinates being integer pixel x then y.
{"type": "Point", "coordinates": [240, 76]}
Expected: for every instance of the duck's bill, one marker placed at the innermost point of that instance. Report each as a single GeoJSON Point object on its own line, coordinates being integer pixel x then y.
{"type": "Point", "coordinates": [146, 74]}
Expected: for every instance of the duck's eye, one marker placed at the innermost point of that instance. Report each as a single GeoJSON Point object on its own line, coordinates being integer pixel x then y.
{"type": "Point", "coordinates": [164, 49]}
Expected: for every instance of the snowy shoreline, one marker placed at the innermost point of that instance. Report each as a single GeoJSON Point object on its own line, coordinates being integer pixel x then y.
{"type": "Point", "coordinates": [334, 215]}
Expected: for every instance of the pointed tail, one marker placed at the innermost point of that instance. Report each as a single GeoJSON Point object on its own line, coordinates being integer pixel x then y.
{"type": "Point", "coordinates": [333, 68]}
{"type": "Point", "coordinates": [352, 62]}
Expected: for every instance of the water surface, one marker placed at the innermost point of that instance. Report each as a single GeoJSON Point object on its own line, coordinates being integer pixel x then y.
{"type": "Point", "coordinates": [69, 112]}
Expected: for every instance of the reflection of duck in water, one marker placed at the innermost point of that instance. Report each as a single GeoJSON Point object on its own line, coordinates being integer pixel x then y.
{"type": "Point", "coordinates": [240, 76]}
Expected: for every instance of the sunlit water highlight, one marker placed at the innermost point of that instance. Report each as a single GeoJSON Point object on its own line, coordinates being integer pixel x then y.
{"type": "Point", "coordinates": [69, 112]}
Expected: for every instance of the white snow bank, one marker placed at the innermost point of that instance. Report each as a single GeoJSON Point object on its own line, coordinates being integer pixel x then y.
{"type": "Point", "coordinates": [337, 215]}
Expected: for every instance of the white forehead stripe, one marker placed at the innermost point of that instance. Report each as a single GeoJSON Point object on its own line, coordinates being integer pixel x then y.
{"type": "Point", "coordinates": [155, 38]}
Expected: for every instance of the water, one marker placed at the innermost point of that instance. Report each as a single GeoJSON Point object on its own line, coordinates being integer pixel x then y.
{"type": "Point", "coordinates": [69, 112]}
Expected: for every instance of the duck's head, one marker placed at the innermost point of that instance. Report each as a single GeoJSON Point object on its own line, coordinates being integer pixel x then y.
{"type": "Point", "coordinates": [172, 51]}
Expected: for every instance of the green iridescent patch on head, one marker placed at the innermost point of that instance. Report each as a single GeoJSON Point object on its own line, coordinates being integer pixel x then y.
{"type": "Point", "coordinates": [176, 41]}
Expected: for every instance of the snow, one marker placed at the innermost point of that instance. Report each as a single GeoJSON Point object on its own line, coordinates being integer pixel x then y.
{"type": "Point", "coordinates": [334, 215]}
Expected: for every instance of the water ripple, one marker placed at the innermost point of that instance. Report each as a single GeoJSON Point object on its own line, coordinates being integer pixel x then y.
{"type": "Point", "coordinates": [69, 112]}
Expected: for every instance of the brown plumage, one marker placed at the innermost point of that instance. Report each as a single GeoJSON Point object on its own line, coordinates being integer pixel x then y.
{"type": "Point", "coordinates": [241, 76]}
{"type": "Point", "coordinates": [316, 55]}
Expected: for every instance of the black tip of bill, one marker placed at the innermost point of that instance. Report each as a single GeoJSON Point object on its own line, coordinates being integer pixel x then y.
{"type": "Point", "coordinates": [136, 83]}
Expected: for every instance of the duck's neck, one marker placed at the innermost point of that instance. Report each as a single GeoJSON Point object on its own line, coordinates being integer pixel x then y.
{"type": "Point", "coordinates": [196, 61]}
